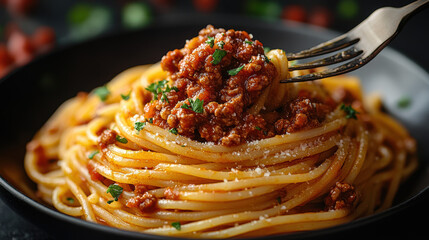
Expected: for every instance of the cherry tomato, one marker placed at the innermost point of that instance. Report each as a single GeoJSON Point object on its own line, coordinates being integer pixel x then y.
{"type": "Point", "coordinates": [5, 58]}
{"type": "Point", "coordinates": [20, 47]}
{"type": "Point", "coordinates": [43, 38]}
{"type": "Point", "coordinates": [294, 13]}
{"type": "Point", "coordinates": [320, 16]}
{"type": "Point", "coordinates": [205, 5]}
{"type": "Point", "coordinates": [20, 7]}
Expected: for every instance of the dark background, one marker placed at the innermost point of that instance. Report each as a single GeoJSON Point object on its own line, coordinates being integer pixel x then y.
{"type": "Point", "coordinates": [72, 21]}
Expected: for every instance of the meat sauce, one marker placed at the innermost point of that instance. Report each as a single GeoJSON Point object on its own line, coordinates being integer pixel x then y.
{"type": "Point", "coordinates": [226, 71]}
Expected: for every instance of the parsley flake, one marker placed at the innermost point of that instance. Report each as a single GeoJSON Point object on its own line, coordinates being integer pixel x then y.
{"type": "Point", "coordinates": [139, 125]}
{"type": "Point", "coordinates": [121, 139]}
{"type": "Point", "coordinates": [217, 56]}
{"type": "Point", "coordinates": [70, 200]}
{"type": "Point", "coordinates": [279, 199]}
{"type": "Point", "coordinates": [210, 41]}
{"type": "Point", "coordinates": [173, 131]}
{"type": "Point", "coordinates": [102, 92]}
{"type": "Point", "coordinates": [126, 97]}
{"type": "Point", "coordinates": [176, 225]}
{"type": "Point", "coordinates": [150, 120]}
{"type": "Point", "coordinates": [351, 113]}
{"type": "Point", "coordinates": [115, 191]}
{"type": "Point", "coordinates": [221, 44]}
{"type": "Point", "coordinates": [235, 71]}
{"type": "Point", "coordinates": [92, 154]}
{"type": "Point", "coordinates": [258, 128]}
{"type": "Point", "coordinates": [266, 49]}
{"type": "Point", "coordinates": [161, 87]}
{"type": "Point", "coordinates": [249, 42]}
{"type": "Point", "coordinates": [196, 106]}
{"type": "Point", "coordinates": [404, 102]}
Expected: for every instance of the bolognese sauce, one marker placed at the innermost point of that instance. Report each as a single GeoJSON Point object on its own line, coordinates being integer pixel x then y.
{"type": "Point", "coordinates": [215, 79]}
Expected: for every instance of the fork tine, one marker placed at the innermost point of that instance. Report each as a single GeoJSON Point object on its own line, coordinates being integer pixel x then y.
{"type": "Point", "coordinates": [335, 44]}
{"type": "Point", "coordinates": [350, 66]}
{"type": "Point", "coordinates": [339, 57]}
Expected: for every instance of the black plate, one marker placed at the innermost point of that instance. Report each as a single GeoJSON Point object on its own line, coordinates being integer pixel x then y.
{"type": "Point", "coordinates": [29, 95]}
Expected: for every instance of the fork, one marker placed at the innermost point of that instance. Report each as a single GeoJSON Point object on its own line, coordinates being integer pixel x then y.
{"type": "Point", "coordinates": [364, 42]}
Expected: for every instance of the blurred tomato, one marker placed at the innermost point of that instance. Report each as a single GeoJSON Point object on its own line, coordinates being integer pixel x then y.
{"type": "Point", "coordinates": [205, 5]}
{"type": "Point", "coordinates": [20, 47]}
{"type": "Point", "coordinates": [320, 16]}
{"type": "Point", "coordinates": [43, 39]}
{"type": "Point", "coordinates": [294, 13]}
{"type": "Point", "coordinates": [6, 60]}
{"type": "Point", "coordinates": [20, 7]}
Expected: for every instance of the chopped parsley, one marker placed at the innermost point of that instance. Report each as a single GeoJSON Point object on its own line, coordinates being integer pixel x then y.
{"type": "Point", "coordinates": [102, 92]}
{"type": "Point", "coordinates": [70, 200]}
{"type": "Point", "coordinates": [196, 106]}
{"type": "Point", "coordinates": [173, 131]}
{"type": "Point", "coordinates": [92, 154]}
{"type": "Point", "coordinates": [126, 97]}
{"type": "Point", "coordinates": [404, 102]}
{"type": "Point", "coordinates": [115, 191]}
{"type": "Point", "coordinates": [121, 139]}
{"type": "Point", "coordinates": [177, 225]}
{"type": "Point", "coordinates": [235, 71]}
{"type": "Point", "coordinates": [217, 56]}
{"type": "Point", "coordinates": [266, 49]}
{"type": "Point", "coordinates": [161, 87]}
{"type": "Point", "coordinates": [139, 125]}
{"type": "Point", "coordinates": [267, 60]}
{"type": "Point", "coordinates": [351, 113]}
{"type": "Point", "coordinates": [221, 44]}
{"type": "Point", "coordinates": [210, 41]}
{"type": "Point", "coordinates": [258, 128]}
{"type": "Point", "coordinates": [150, 120]}
{"type": "Point", "coordinates": [249, 42]}
{"type": "Point", "coordinates": [279, 199]}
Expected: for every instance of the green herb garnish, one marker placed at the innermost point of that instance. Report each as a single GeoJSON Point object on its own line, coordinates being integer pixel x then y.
{"type": "Point", "coordinates": [177, 225]}
{"type": "Point", "coordinates": [235, 71]}
{"type": "Point", "coordinates": [70, 200]}
{"type": "Point", "coordinates": [126, 97]}
{"type": "Point", "coordinates": [102, 92]}
{"type": "Point", "coordinates": [150, 120]}
{"type": "Point", "coordinates": [161, 88]}
{"type": "Point", "coordinates": [121, 139]}
{"type": "Point", "coordinates": [196, 106]}
{"type": "Point", "coordinates": [173, 131]}
{"type": "Point", "coordinates": [92, 154]}
{"type": "Point", "coordinates": [115, 191]}
{"type": "Point", "coordinates": [217, 56]}
{"type": "Point", "coordinates": [248, 42]}
{"type": "Point", "coordinates": [221, 44]}
{"type": "Point", "coordinates": [351, 113]}
{"type": "Point", "coordinates": [210, 41]}
{"type": "Point", "coordinates": [266, 50]}
{"type": "Point", "coordinates": [258, 128]}
{"type": "Point", "coordinates": [404, 102]}
{"type": "Point", "coordinates": [139, 125]}
{"type": "Point", "coordinates": [279, 199]}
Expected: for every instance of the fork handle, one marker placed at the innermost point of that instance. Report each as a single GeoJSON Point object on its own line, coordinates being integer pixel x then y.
{"type": "Point", "coordinates": [413, 8]}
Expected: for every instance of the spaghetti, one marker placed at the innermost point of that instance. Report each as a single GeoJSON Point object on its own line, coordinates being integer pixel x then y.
{"type": "Point", "coordinates": [209, 144]}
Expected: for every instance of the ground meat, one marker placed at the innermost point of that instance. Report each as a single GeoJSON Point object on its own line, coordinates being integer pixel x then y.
{"type": "Point", "coordinates": [107, 137]}
{"type": "Point", "coordinates": [342, 195]}
{"type": "Point", "coordinates": [303, 112]}
{"type": "Point", "coordinates": [145, 202]}
{"type": "Point", "coordinates": [226, 71]}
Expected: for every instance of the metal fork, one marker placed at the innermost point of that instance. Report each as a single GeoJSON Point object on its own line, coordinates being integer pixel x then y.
{"type": "Point", "coordinates": [365, 41]}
